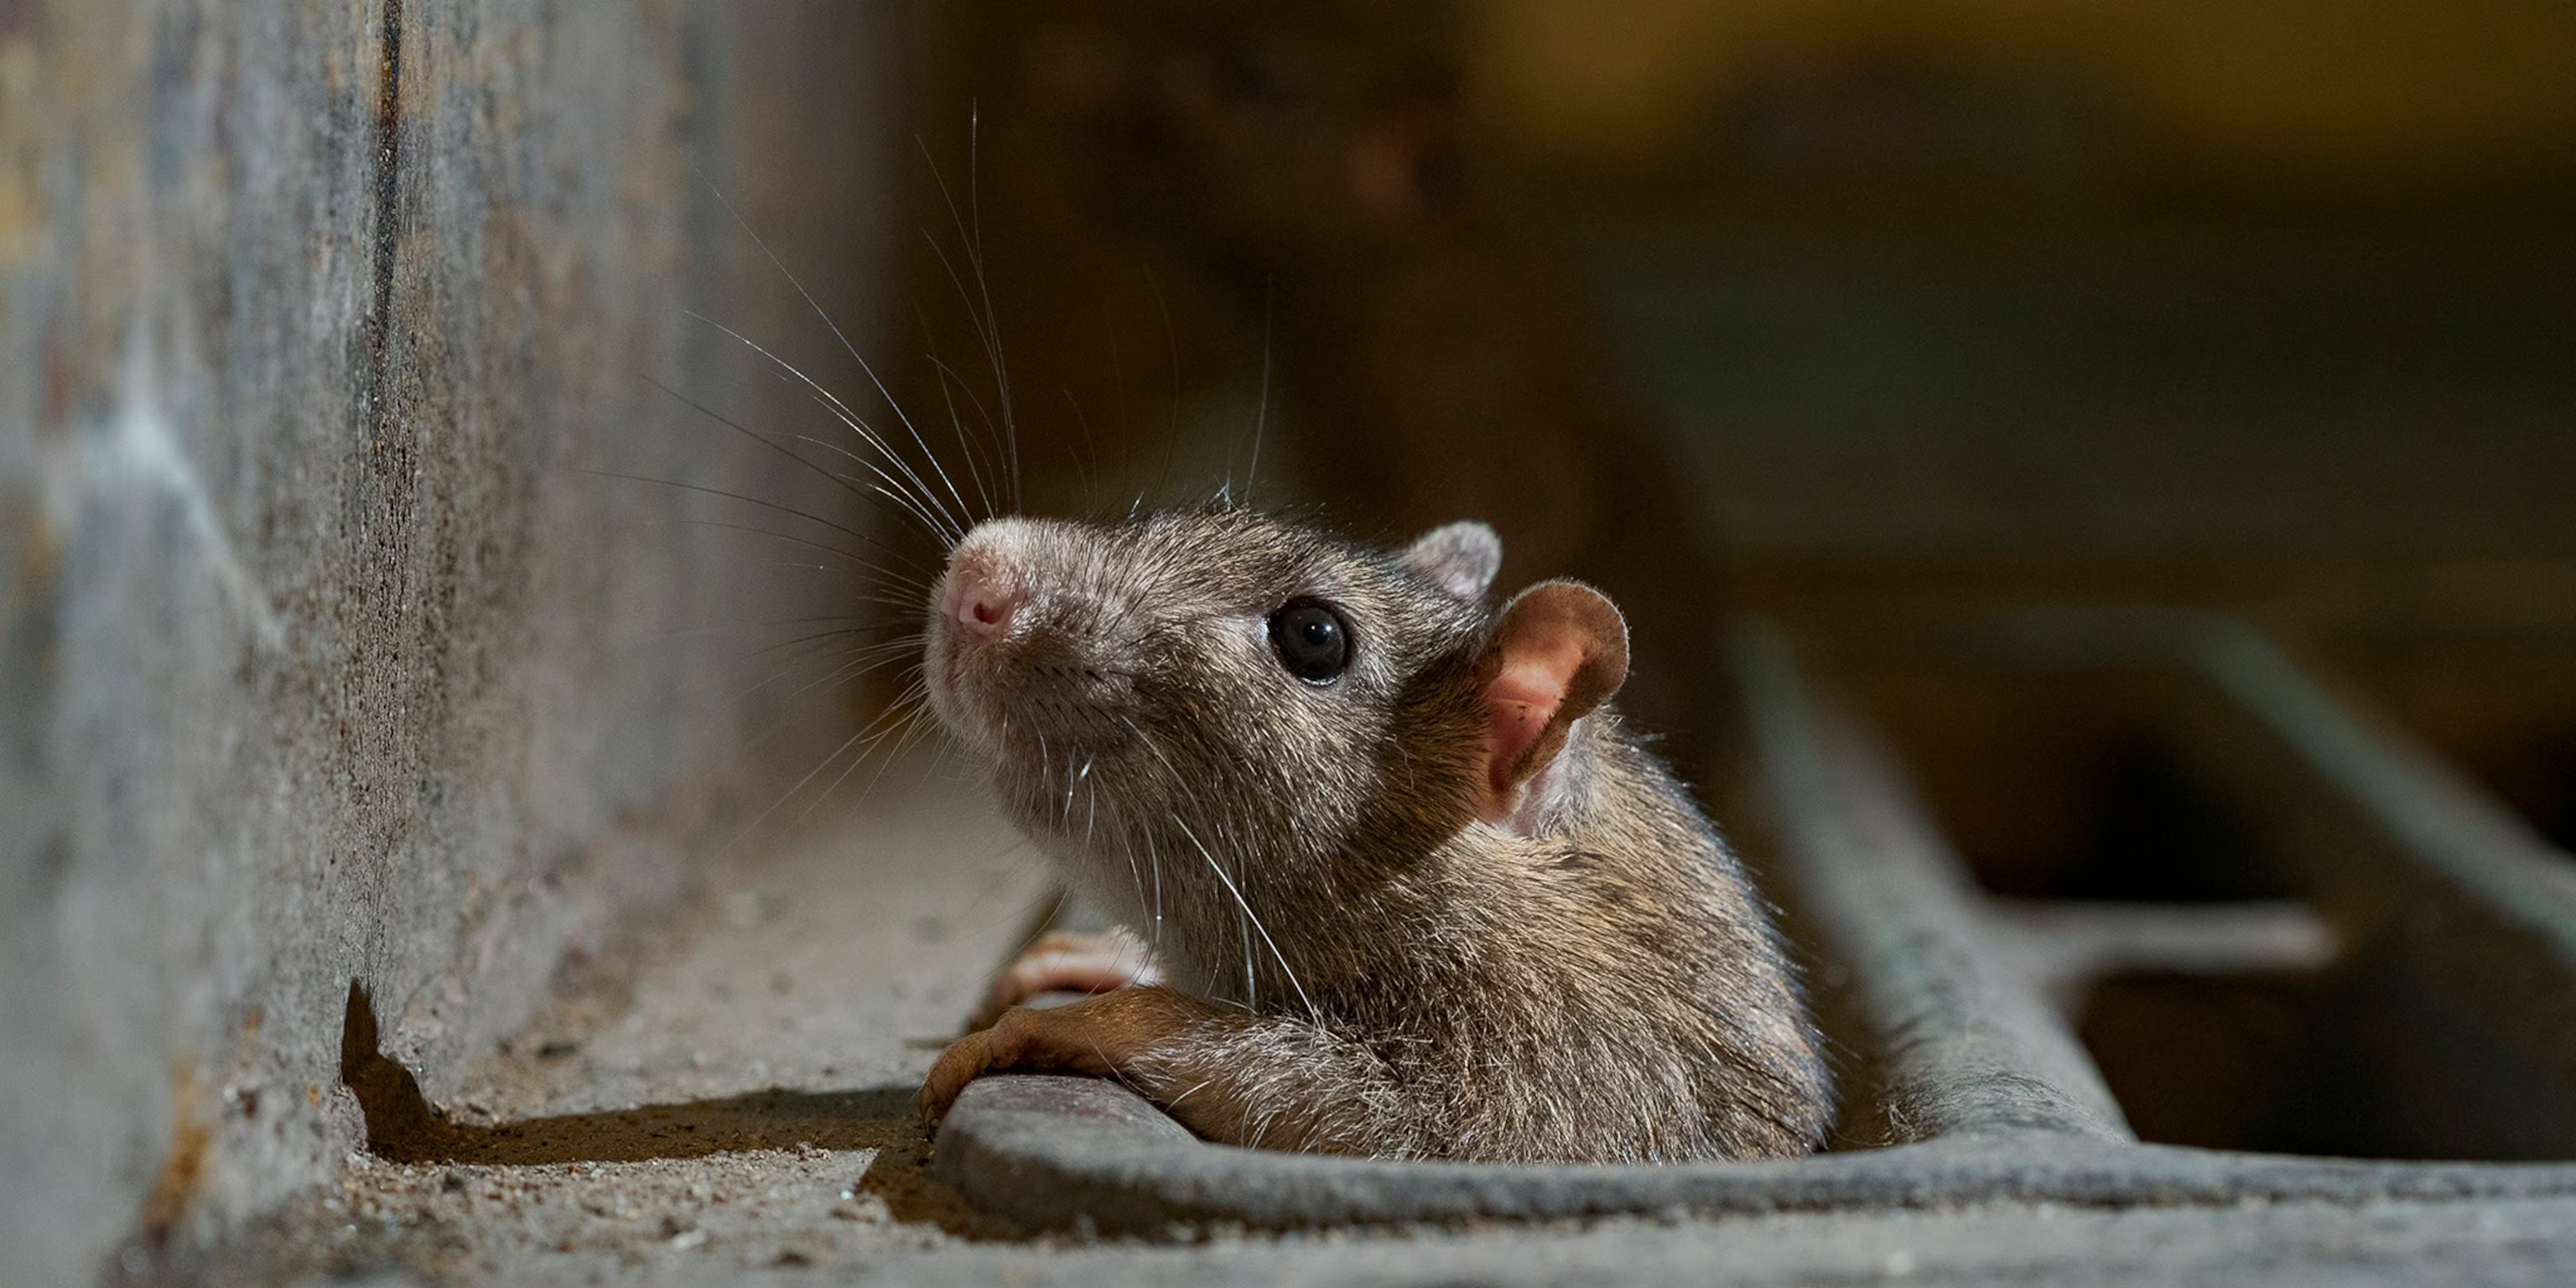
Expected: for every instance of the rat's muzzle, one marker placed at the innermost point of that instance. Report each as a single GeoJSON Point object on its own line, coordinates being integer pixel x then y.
{"type": "Point", "coordinates": [1027, 658]}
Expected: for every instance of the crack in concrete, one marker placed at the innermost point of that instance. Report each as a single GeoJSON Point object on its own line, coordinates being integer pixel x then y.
{"type": "Point", "coordinates": [387, 234]}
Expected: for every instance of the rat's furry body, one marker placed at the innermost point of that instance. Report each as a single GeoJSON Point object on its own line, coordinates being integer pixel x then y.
{"type": "Point", "coordinates": [1380, 935]}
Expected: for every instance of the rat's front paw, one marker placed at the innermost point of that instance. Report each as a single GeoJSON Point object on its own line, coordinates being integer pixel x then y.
{"type": "Point", "coordinates": [1068, 962]}
{"type": "Point", "coordinates": [1097, 1036]}
{"type": "Point", "coordinates": [1061, 1039]}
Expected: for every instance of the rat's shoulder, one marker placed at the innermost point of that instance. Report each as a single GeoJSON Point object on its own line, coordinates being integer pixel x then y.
{"type": "Point", "coordinates": [1610, 795]}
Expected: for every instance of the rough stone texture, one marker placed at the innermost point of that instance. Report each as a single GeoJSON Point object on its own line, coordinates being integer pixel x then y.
{"type": "Point", "coordinates": [321, 659]}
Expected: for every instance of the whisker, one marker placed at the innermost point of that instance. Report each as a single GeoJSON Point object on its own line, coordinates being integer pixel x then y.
{"type": "Point", "coordinates": [806, 515]}
{"type": "Point", "coordinates": [1126, 418]}
{"type": "Point", "coordinates": [988, 323]}
{"type": "Point", "coordinates": [784, 646]}
{"type": "Point", "coordinates": [900, 642]}
{"type": "Point", "coordinates": [988, 335]}
{"type": "Point", "coordinates": [902, 732]}
{"type": "Point", "coordinates": [1249, 914]}
{"type": "Point", "coordinates": [1155, 859]}
{"type": "Point", "coordinates": [950, 380]}
{"type": "Point", "coordinates": [686, 632]}
{"type": "Point", "coordinates": [836, 658]}
{"type": "Point", "coordinates": [891, 489]}
{"type": "Point", "coordinates": [1172, 413]}
{"type": "Point", "coordinates": [820, 312]}
{"type": "Point", "coordinates": [1151, 855]}
{"type": "Point", "coordinates": [764, 440]}
{"type": "Point", "coordinates": [920, 496]}
{"type": "Point", "coordinates": [917, 501]}
{"type": "Point", "coordinates": [846, 666]}
{"type": "Point", "coordinates": [1261, 412]}
{"type": "Point", "coordinates": [844, 673]}
{"type": "Point", "coordinates": [801, 566]}
{"type": "Point", "coordinates": [800, 784]}
{"type": "Point", "coordinates": [1089, 472]}
{"type": "Point", "coordinates": [890, 576]}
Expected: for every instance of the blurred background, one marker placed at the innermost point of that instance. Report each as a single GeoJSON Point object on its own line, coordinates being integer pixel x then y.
{"type": "Point", "coordinates": [362, 637]}
{"type": "Point", "coordinates": [1942, 284]}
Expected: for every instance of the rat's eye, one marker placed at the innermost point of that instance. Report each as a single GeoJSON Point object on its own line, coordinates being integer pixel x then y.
{"type": "Point", "coordinates": [1311, 640]}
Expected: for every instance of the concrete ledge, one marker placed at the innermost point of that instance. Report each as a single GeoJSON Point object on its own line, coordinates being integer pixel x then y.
{"type": "Point", "coordinates": [1053, 1151]}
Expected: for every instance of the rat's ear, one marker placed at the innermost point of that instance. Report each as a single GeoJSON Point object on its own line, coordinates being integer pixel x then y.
{"type": "Point", "coordinates": [1560, 650]}
{"type": "Point", "coordinates": [1460, 558]}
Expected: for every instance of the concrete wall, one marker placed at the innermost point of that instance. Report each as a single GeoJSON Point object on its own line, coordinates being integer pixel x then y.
{"type": "Point", "coordinates": [321, 659]}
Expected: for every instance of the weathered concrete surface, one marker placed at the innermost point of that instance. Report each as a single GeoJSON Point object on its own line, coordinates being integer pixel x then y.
{"type": "Point", "coordinates": [2380, 1245]}
{"type": "Point", "coordinates": [740, 1090]}
{"type": "Point", "coordinates": [737, 1110]}
{"type": "Point", "coordinates": [321, 660]}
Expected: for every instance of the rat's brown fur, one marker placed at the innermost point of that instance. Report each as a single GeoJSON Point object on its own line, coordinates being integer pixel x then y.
{"type": "Point", "coordinates": [1358, 960]}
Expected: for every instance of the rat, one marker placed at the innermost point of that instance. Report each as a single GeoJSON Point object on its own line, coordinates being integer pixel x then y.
{"type": "Point", "coordinates": [1393, 880]}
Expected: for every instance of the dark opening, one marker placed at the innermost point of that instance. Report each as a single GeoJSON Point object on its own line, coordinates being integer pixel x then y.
{"type": "Point", "coordinates": [2534, 771]}
{"type": "Point", "coordinates": [2504, 710]}
{"type": "Point", "coordinates": [2213, 1061]}
{"type": "Point", "coordinates": [2361, 1061]}
{"type": "Point", "coordinates": [2119, 786]}
{"type": "Point", "coordinates": [2553, 805]}
{"type": "Point", "coordinates": [2055, 786]}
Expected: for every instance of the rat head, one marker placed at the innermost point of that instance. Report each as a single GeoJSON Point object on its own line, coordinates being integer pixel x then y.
{"type": "Point", "coordinates": [1230, 683]}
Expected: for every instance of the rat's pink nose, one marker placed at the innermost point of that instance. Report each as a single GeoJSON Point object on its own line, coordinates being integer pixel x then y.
{"type": "Point", "coordinates": [981, 602]}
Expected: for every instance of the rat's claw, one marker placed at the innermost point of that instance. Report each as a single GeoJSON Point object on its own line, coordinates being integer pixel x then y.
{"type": "Point", "coordinates": [1086, 1037]}
{"type": "Point", "coordinates": [958, 1065]}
